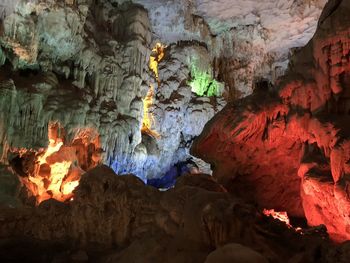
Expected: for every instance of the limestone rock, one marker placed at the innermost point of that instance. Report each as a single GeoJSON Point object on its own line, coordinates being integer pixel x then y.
{"type": "Point", "coordinates": [68, 70]}
{"type": "Point", "coordinates": [290, 149]}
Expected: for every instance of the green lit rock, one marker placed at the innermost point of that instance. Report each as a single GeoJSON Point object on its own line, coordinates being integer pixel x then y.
{"type": "Point", "coordinates": [203, 84]}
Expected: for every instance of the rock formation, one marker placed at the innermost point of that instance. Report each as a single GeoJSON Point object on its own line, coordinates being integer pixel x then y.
{"type": "Point", "coordinates": [258, 37]}
{"type": "Point", "coordinates": [289, 149]}
{"type": "Point", "coordinates": [85, 66]}
{"type": "Point", "coordinates": [94, 92]}
{"type": "Point", "coordinates": [119, 219]}
{"type": "Point", "coordinates": [250, 40]}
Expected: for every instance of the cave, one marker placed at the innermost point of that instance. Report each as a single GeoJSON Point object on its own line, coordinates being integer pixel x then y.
{"type": "Point", "coordinates": [175, 131]}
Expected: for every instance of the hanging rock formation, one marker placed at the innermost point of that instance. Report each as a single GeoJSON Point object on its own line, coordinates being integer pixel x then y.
{"type": "Point", "coordinates": [85, 65]}
{"type": "Point", "coordinates": [250, 40]}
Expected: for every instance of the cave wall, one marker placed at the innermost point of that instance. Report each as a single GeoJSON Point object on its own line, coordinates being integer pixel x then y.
{"type": "Point", "coordinates": [250, 39]}
{"type": "Point", "coordinates": [86, 66]}
{"type": "Point", "coordinates": [290, 148]}
{"type": "Point", "coordinates": [76, 74]}
{"type": "Point", "coordinates": [101, 50]}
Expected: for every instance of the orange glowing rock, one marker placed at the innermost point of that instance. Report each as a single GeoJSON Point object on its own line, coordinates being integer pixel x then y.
{"type": "Point", "coordinates": [57, 169]}
{"type": "Point", "coordinates": [148, 119]}
{"type": "Point", "coordinates": [156, 56]}
{"type": "Point", "coordinates": [281, 216]}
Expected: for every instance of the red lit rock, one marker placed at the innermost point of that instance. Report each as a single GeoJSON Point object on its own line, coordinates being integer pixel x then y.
{"type": "Point", "coordinates": [291, 151]}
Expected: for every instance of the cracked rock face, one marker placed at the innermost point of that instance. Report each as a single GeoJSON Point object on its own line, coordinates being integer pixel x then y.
{"type": "Point", "coordinates": [291, 149]}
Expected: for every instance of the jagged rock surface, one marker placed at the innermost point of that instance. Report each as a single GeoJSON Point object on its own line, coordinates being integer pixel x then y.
{"type": "Point", "coordinates": [85, 65]}
{"type": "Point", "coordinates": [291, 149]}
{"type": "Point", "coordinates": [143, 224]}
{"type": "Point", "coordinates": [178, 113]}
{"type": "Point", "coordinates": [251, 40]}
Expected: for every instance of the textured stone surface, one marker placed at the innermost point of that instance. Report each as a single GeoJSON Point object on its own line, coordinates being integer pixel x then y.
{"type": "Point", "coordinates": [250, 39]}
{"type": "Point", "coordinates": [85, 65]}
{"type": "Point", "coordinates": [118, 218]}
{"type": "Point", "coordinates": [291, 149]}
{"type": "Point", "coordinates": [235, 253]}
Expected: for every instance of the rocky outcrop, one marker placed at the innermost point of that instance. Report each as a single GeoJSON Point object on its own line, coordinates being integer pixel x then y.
{"type": "Point", "coordinates": [118, 218]}
{"type": "Point", "coordinates": [290, 149]}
